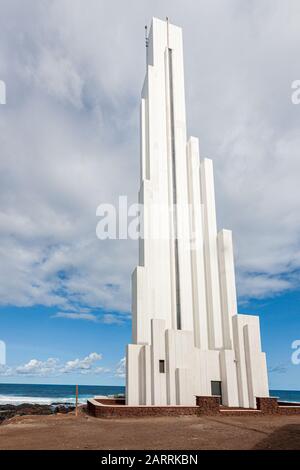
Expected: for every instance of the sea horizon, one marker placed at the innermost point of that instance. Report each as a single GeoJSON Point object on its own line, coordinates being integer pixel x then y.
{"type": "Point", "coordinates": [47, 394]}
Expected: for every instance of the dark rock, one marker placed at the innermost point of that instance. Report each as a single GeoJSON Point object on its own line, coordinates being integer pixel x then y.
{"type": "Point", "coordinates": [6, 415]}
{"type": "Point", "coordinates": [9, 411]}
{"type": "Point", "coordinates": [7, 407]}
{"type": "Point", "coordinates": [67, 404]}
{"type": "Point", "coordinates": [64, 409]}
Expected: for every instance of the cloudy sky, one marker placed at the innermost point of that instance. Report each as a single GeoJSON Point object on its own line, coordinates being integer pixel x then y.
{"type": "Point", "coordinates": [69, 140]}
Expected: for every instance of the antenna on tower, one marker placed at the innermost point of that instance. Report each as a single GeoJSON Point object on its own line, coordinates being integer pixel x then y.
{"type": "Point", "coordinates": [167, 20]}
{"type": "Point", "coordinates": [146, 36]}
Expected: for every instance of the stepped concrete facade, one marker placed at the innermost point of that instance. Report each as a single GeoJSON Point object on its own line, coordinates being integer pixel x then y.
{"type": "Point", "coordinates": [188, 338]}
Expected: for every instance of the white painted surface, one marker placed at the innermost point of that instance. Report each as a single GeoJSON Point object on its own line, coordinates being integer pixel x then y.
{"type": "Point", "coordinates": [215, 335]}
{"type": "Point", "coordinates": [134, 375]}
{"type": "Point", "coordinates": [227, 285]}
{"type": "Point", "coordinates": [184, 381]}
{"type": "Point", "coordinates": [197, 247]}
{"type": "Point", "coordinates": [229, 378]}
{"type": "Point", "coordinates": [158, 350]}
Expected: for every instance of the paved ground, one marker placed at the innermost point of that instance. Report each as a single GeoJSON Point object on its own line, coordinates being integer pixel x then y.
{"type": "Point", "coordinates": [85, 432]}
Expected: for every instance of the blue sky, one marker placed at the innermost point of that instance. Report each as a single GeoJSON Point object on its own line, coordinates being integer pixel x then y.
{"type": "Point", "coordinates": [35, 333]}
{"type": "Point", "coordinates": [280, 324]}
{"type": "Point", "coordinates": [69, 140]}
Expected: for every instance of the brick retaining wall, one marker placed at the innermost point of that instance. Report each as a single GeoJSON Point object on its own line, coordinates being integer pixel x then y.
{"type": "Point", "coordinates": [100, 409]}
{"type": "Point", "coordinates": [208, 405]}
{"type": "Point", "coordinates": [267, 405]}
{"type": "Point", "coordinates": [205, 405]}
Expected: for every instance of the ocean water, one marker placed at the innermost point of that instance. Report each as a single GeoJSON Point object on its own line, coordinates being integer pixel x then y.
{"type": "Point", "coordinates": [286, 395]}
{"type": "Point", "coordinates": [16, 394]}
{"type": "Point", "coordinates": [46, 394]}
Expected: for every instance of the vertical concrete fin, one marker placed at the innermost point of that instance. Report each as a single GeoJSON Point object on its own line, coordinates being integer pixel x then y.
{"type": "Point", "coordinates": [197, 247]}
{"type": "Point", "coordinates": [134, 375]}
{"type": "Point", "coordinates": [211, 255]}
{"type": "Point", "coordinates": [228, 368]}
{"type": "Point", "coordinates": [227, 284]}
{"type": "Point", "coordinates": [171, 366]}
{"type": "Point", "coordinates": [158, 349]}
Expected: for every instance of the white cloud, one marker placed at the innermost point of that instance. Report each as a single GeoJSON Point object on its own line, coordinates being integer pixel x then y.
{"type": "Point", "coordinates": [69, 140]}
{"type": "Point", "coordinates": [81, 365]}
{"type": "Point", "coordinates": [121, 368]}
{"type": "Point", "coordinates": [76, 316]}
{"type": "Point", "coordinates": [107, 318]}
{"type": "Point", "coordinates": [55, 367]}
{"type": "Point", "coordinates": [35, 367]}
{"type": "Point", "coordinates": [278, 369]}
{"type": "Point", "coordinates": [56, 74]}
{"type": "Point", "coordinates": [112, 319]}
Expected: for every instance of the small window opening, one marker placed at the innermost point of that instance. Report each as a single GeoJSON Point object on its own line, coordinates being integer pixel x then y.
{"type": "Point", "coordinates": [162, 366]}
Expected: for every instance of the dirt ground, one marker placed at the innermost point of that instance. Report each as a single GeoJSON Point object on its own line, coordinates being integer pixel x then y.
{"type": "Point", "coordinates": [85, 432]}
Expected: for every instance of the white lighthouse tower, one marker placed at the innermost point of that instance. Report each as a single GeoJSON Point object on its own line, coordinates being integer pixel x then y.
{"type": "Point", "coordinates": [188, 338]}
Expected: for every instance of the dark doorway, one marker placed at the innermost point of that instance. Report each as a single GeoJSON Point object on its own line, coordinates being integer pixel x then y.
{"type": "Point", "coordinates": [216, 389]}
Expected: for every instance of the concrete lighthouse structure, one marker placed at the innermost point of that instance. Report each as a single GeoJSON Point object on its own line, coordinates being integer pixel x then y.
{"type": "Point", "coordinates": [188, 338]}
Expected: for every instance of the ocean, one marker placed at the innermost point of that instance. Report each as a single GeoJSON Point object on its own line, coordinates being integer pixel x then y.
{"type": "Point", "coordinates": [16, 394]}
{"type": "Point", "coordinates": [286, 395]}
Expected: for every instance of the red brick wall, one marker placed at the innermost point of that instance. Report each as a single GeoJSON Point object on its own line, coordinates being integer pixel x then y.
{"type": "Point", "coordinates": [109, 408]}
{"type": "Point", "coordinates": [208, 405]}
{"type": "Point", "coordinates": [106, 410]}
{"type": "Point", "coordinates": [267, 405]}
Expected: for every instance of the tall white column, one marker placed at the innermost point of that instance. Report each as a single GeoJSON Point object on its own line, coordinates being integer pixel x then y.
{"type": "Point", "coordinates": [197, 247]}
{"type": "Point", "coordinates": [211, 255]}
{"type": "Point", "coordinates": [227, 284]}
{"type": "Point", "coordinates": [177, 155]}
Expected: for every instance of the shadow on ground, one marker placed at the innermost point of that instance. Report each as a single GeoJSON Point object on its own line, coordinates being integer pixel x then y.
{"type": "Point", "coordinates": [285, 438]}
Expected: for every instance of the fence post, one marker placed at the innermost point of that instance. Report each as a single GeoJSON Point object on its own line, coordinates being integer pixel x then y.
{"type": "Point", "coordinates": [76, 412]}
